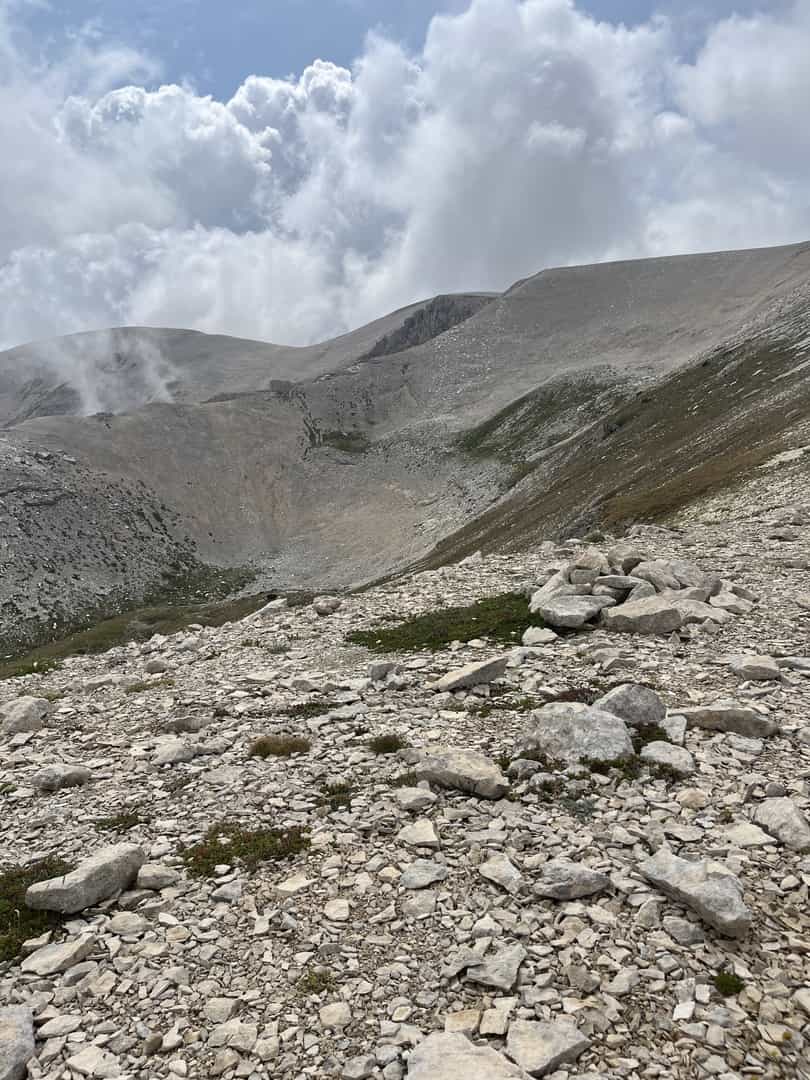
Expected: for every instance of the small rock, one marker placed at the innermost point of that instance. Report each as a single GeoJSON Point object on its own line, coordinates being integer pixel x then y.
{"type": "Point", "coordinates": [762, 668]}
{"type": "Point", "coordinates": [783, 819]}
{"type": "Point", "coordinates": [56, 777]}
{"type": "Point", "coordinates": [561, 879]}
{"type": "Point", "coordinates": [503, 872]}
{"type": "Point", "coordinates": [672, 757]}
{"type": "Point", "coordinates": [499, 970]}
{"type": "Point", "coordinates": [419, 834]}
{"type": "Point", "coordinates": [327, 605]}
{"type": "Point", "coordinates": [476, 674]}
{"type": "Point", "coordinates": [53, 959]}
{"type": "Point", "coordinates": [540, 1047]}
{"type": "Point", "coordinates": [464, 770]}
{"type": "Point", "coordinates": [651, 615]}
{"type": "Point", "coordinates": [422, 873]}
{"type": "Point", "coordinates": [156, 877]}
{"type": "Point", "coordinates": [336, 1016]}
{"type": "Point", "coordinates": [707, 887]}
{"type": "Point", "coordinates": [538, 635]}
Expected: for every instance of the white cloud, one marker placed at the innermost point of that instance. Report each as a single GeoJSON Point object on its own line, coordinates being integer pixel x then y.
{"type": "Point", "coordinates": [524, 134]}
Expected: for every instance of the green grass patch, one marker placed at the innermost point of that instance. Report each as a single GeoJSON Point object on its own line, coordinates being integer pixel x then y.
{"type": "Point", "coordinates": [500, 618]}
{"type": "Point", "coordinates": [122, 822]}
{"type": "Point", "coordinates": [727, 984]}
{"type": "Point", "coordinates": [279, 746]}
{"type": "Point", "coordinates": [229, 842]}
{"type": "Point", "coordinates": [387, 744]}
{"type": "Point", "coordinates": [17, 922]}
{"type": "Point", "coordinates": [524, 704]}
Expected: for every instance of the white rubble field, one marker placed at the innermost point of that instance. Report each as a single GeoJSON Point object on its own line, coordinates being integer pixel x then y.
{"type": "Point", "coordinates": [550, 876]}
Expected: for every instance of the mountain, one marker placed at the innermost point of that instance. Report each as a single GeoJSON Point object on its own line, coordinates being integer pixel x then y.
{"type": "Point", "coordinates": [580, 397]}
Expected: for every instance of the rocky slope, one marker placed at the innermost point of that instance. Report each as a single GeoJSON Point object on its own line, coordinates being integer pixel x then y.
{"type": "Point", "coordinates": [582, 396]}
{"type": "Point", "coordinates": [479, 901]}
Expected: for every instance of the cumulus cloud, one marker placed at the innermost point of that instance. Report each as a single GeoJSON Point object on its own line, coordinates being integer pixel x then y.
{"type": "Point", "coordinates": [524, 134]}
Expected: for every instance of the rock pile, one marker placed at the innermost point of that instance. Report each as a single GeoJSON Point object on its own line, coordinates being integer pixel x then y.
{"type": "Point", "coordinates": [583, 856]}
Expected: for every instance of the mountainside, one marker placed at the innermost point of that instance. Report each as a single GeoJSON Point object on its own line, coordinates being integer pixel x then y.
{"type": "Point", "coordinates": [579, 397]}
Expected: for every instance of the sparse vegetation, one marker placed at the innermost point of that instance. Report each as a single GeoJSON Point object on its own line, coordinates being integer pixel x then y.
{"type": "Point", "coordinates": [18, 923]}
{"type": "Point", "coordinates": [387, 744]}
{"type": "Point", "coordinates": [307, 709]}
{"type": "Point", "coordinates": [500, 618]}
{"type": "Point", "coordinates": [230, 842]}
{"type": "Point", "coordinates": [336, 795]}
{"type": "Point", "coordinates": [727, 984]}
{"type": "Point", "coordinates": [279, 746]}
{"type": "Point", "coordinates": [647, 733]}
{"type": "Point", "coordinates": [121, 822]}
{"type": "Point", "coordinates": [629, 767]}
{"type": "Point", "coordinates": [350, 442]}
{"type": "Point", "coordinates": [406, 779]}
{"type": "Point", "coordinates": [316, 981]}
{"type": "Point", "coordinates": [143, 686]}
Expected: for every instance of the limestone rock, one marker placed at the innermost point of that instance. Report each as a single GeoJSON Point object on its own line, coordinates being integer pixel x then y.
{"type": "Point", "coordinates": [561, 879]}
{"type": "Point", "coordinates": [635, 704]}
{"type": "Point", "coordinates": [327, 605]}
{"type": "Point", "coordinates": [104, 874]}
{"type": "Point", "coordinates": [421, 873]}
{"type": "Point", "coordinates": [155, 876]}
{"type": "Point", "coordinates": [673, 757]}
{"type": "Point", "coordinates": [51, 959]}
{"type": "Point", "coordinates": [760, 668]}
{"type": "Point", "coordinates": [476, 674]}
{"type": "Point", "coordinates": [464, 770]}
{"type": "Point", "coordinates": [500, 969]}
{"type": "Point", "coordinates": [56, 777]}
{"type": "Point", "coordinates": [23, 714]}
{"type": "Point", "coordinates": [707, 887]}
{"type": "Point", "coordinates": [414, 798]}
{"type": "Point", "coordinates": [16, 1041]}
{"type": "Point", "coordinates": [538, 635]}
{"type": "Point", "coordinates": [784, 820]}
{"type": "Point", "coordinates": [419, 834]}
{"type": "Point", "coordinates": [571, 612]}
{"type": "Point", "coordinates": [451, 1056]}
{"type": "Point", "coordinates": [652, 615]}
{"type": "Point", "coordinates": [572, 732]}
{"type": "Point", "coordinates": [503, 872]}
{"type": "Point", "coordinates": [729, 716]}
{"type": "Point", "coordinates": [540, 1047]}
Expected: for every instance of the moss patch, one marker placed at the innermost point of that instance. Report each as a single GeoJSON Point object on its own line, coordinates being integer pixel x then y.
{"type": "Point", "coordinates": [727, 984]}
{"type": "Point", "coordinates": [17, 922]}
{"type": "Point", "coordinates": [316, 981]}
{"type": "Point", "coordinates": [337, 795]}
{"type": "Point", "coordinates": [500, 618]}
{"type": "Point", "coordinates": [307, 709]}
{"type": "Point", "coordinates": [229, 842]}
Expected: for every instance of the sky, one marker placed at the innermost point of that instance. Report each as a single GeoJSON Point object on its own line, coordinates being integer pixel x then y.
{"type": "Point", "coordinates": [288, 169]}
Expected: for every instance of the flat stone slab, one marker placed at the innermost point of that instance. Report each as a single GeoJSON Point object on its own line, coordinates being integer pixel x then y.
{"type": "Point", "coordinates": [729, 716]}
{"type": "Point", "coordinates": [756, 668]}
{"type": "Point", "coordinates": [56, 777]}
{"type": "Point", "coordinates": [104, 874]}
{"type": "Point", "coordinates": [706, 887]}
{"type": "Point", "coordinates": [500, 969]}
{"type": "Point", "coordinates": [52, 959]}
{"type": "Point", "coordinates": [451, 1056]}
{"type": "Point", "coordinates": [672, 757]}
{"type": "Point", "coordinates": [540, 1047]}
{"type": "Point", "coordinates": [562, 879]}
{"type": "Point", "coordinates": [476, 674]}
{"type": "Point", "coordinates": [463, 770]}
